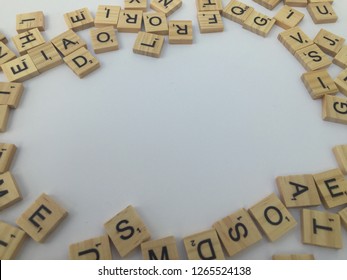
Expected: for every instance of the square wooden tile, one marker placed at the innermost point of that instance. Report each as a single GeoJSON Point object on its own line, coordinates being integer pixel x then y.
{"type": "Point", "coordinates": [28, 21]}
{"type": "Point", "coordinates": [343, 216]}
{"type": "Point", "coordinates": [161, 249]}
{"type": "Point", "coordinates": [341, 82]}
{"type": "Point", "coordinates": [335, 109]}
{"type": "Point", "coordinates": [127, 231]}
{"type": "Point", "coordinates": [293, 257]}
{"type": "Point", "coordinates": [268, 4]}
{"type": "Point", "coordinates": [155, 23]}
{"type": "Point", "coordinates": [180, 32]}
{"type": "Point", "coordinates": [79, 19]}
{"type": "Point", "coordinates": [168, 7]}
{"type": "Point", "coordinates": [209, 5]}
{"type": "Point", "coordinates": [203, 246]}
{"type": "Point", "coordinates": [237, 232]}
{"type": "Point", "coordinates": [41, 218]}
{"type": "Point", "coordinates": [82, 62]}
{"type": "Point", "coordinates": [329, 42]}
{"type": "Point", "coordinates": [28, 40]}
{"type": "Point", "coordinates": [7, 152]}
{"type": "Point", "coordinates": [296, 3]}
{"type": "Point", "coordinates": [298, 190]}
{"type": "Point", "coordinates": [6, 54]}
{"type": "Point", "coordinates": [68, 42]}
{"type": "Point", "coordinates": [322, 13]}
{"type": "Point", "coordinates": [321, 229]}
{"type": "Point", "coordinates": [313, 58]}
{"type": "Point", "coordinates": [332, 187]}
{"type": "Point", "coordinates": [9, 191]}
{"type": "Point", "coordinates": [294, 39]}
{"type": "Point", "coordinates": [20, 69]}
{"type": "Point", "coordinates": [288, 17]}
{"type": "Point", "coordinates": [237, 11]}
{"type": "Point", "coordinates": [148, 44]}
{"type": "Point", "coordinates": [104, 39]}
{"type": "Point", "coordinates": [319, 83]}
{"type": "Point", "coordinates": [45, 57]}
{"type": "Point", "coordinates": [10, 94]}
{"type": "Point", "coordinates": [210, 22]}
{"type": "Point", "coordinates": [320, 1]}
{"type": "Point", "coordinates": [4, 114]}
{"type": "Point", "coordinates": [340, 153]}
{"type": "Point", "coordinates": [3, 38]}
{"type": "Point", "coordinates": [130, 21]}
{"type": "Point", "coordinates": [11, 240]}
{"type": "Point", "coordinates": [107, 16]}
{"type": "Point", "coordinates": [259, 23]}
{"type": "Point", "coordinates": [272, 217]}
{"type": "Point", "coordinates": [341, 58]}
{"type": "Point", "coordinates": [135, 5]}
{"type": "Point", "coordinates": [97, 248]}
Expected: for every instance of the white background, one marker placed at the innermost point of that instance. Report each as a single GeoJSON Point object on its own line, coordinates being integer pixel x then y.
{"type": "Point", "coordinates": [187, 138]}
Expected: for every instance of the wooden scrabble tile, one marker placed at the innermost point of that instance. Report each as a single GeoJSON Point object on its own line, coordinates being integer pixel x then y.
{"type": "Point", "coordinates": [320, 1]}
{"type": "Point", "coordinates": [296, 3]}
{"type": "Point", "coordinates": [7, 152]}
{"type": "Point", "coordinates": [332, 187]}
{"type": "Point", "coordinates": [28, 21]}
{"type": "Point", "coordinates": [3, 38]}
{"type": "Point", "coordinates": [4, 114]}
{"type": "Point", "coordinates": [341, 82]}
{"type": "Point", "coordinates": [45, 57]}
{"type": "Point", "coordinates": [10, 94]}
{"type": "Point", "coordinates": [161, 249]}
{"type": "Point", "coordinates": [203, 246]}
{"type": "Point", "coordinates": [268, 4]}
{"type": "Point", "coordinates": [259, 24]}
{"type": "Point", "coordinates": [293, 257]}
{"type": "Point", "coordinates": [20, 69]}
{"type": "Point", "coordinates": [328, 42]}
{"type": "Point", "coordinates": [104, 39]}
{"type": "Point", "coordinates": [107, 16]}
{"type": "Point", "coordinates": [237, 232]}
{"type": "Point", "coordinates": [343, 216]}
{"type": "Point", "coordinates": [237, 11]}
{"type": "Point", "coordinates": [127, 231]}
{"type": "Point", "coordinates": [288, 17]}
{"type": "Point", "coordinates": [68, 42]}
{"type": "Point", "coordinates": [168, 7]}
{"type": "Point", "coordinates": [298, 190]}
{"type": "Point", "coordinates": [130, 21]}
{"type": "Point", "coordinates": [319, 83]}
{"type": "Point", "coordinates": [6, 54]}
{"type": "Point", "coordinates": [294, 39]}
{"type": "Point", "coordinates": [148, 44]}
{"type": "Point", "coordinates": [9, 191]}
{"type": "Point", "coordinates": [312, 58]}
{"type": "Point", "coordinates": [272, 217]}
{"type": "Point", "coordinates": [340, 153]}
{"type": "Point", "coordinates": [341, 58]}
{"type": "Point", "coordinates": [210, 22]}
{"type": "Point", "coordinates": [335, 109]}
{"type": "Point", "coordinates": [41, 218]}
{"type": "Point", "coordinates": [321, 229]}
{"type": "Point", "coordinates": [82, 62]}
{"type": "Point", "coordinates": [97, 248]}
{"type": "Point", "coordinates": [11, 240]}
{"type": "Point", "coordinates": [28, 40]}
{"type": "Point", "coordinates": [180, 32]}
{"type": "Point", "coordinates": [209, 5]}
{"type": "Point", "coordinates": [79, 20]}
{"type": "Point", "coordinates": [135, 5]}
{"type": "Point", "coordinates": [155, 23]}
{"type": "Point", "coordinates": [322, 13]}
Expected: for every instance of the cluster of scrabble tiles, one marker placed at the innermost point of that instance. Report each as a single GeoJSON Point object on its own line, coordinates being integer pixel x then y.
{"type": "Point", "coordinates": [126, 230]}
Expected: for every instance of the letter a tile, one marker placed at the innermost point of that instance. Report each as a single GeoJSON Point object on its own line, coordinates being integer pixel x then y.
{"type": "Point", "coordinates": [97, 248]}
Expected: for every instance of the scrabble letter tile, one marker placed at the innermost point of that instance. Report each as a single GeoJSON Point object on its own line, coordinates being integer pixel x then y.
{"type": "Point", "coordinates": [7, 152]}
{"type": "Point", "coordinates": [104, 39]}
{"type": "Point", "coordinates": [10, 94]}
{"type": "Point", "coordinates": [3, 38]}
{"type": "Point", "coordinates": [130, 21]}
{"type": "Point", "coordinates": [9, 192]}
{"type": "Point", "coordinates": [343, 216]}
{"type": "Point", "coordinates": [28, 40]}
{"type": "Point", "coordinates": [237, 11]}
{"type": "Point", "coordinates": [161, 249]}
{"type": "Point", "coordinates": [135, 5]}
{"type": "Point", "coordinates": [340, 153]}
{"type": "Point", "coordinates": [11, 240]}
{"type": "Point", "coordinates": [203, 246]}
{"type": "Point", "coordinates": [322, 13]}
{"type": "Point", "coordinates": [341, 82]}
{"type": "Point", "coordinates": [296, 3]}
{"type": "Point", "coordinates": [298, 190]}
{"type": "Point", "coordinates": [20, 69]}
{"type": "Point", "coordinates": [268, 4]}
{"type": "Point", "coordinates": [312, 58]}
{"type": "Point", "coordinates": [293, 257]}
{"type": "Point", "coordinates": [210, 22]}
{"type": "Point", "coordinates": [68, 42]}
{"type": "Point", "coordinates": [107, 16]}
{"type": "Point", "coordinates": [97, 248]}
{"type": "Point", "coordinates": [127, 231]}
{"type": "Point", "coordinates": [180, 32]}
{"type": "Point", "coordinates": [6, 54]}
{"type": "Point", "coordinates": [328, 42]}
{"type": "Point", "coordinates": [288, 17]}
{"type": "Point", "coordinates": [41, 218]}
{"type": "Point", "coordinates": [209, 5]}
{"type": "Point", "coordinates": [294, 39]}
{"type": "Point", "coordinates": [341, 58]}
{"type": "Point", "coordinates": [148, 44]}
{"type": "Point", "coordinates": [25, 22]}
{"type": "Point", "coordinates": [4, 114]}
{"type": "Point", "coordinates": [321, 229]}
{"type": "Point", "coordinates": [335, 109]}
{"type": "Point", "coordinates": [237, 232]}
{"type": "Point", "coordinates": [155, 23]}
{"type": "Point", "coordinates": [168, 7]}
{"type": "Point", "coordinates": [259, 24]}
{"type": "Point", "coordinates": [79, 20]}
{"type": "Point", "coordinates": [272, 217]}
